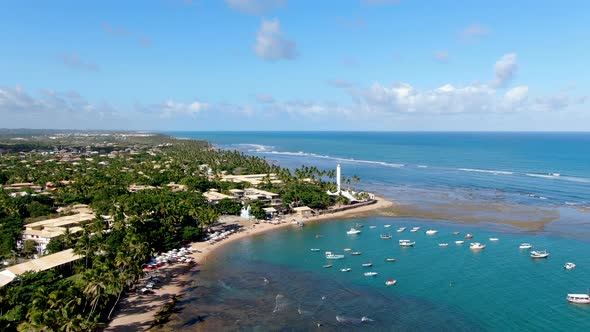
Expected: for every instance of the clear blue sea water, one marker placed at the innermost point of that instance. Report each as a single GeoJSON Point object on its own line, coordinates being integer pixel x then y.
{"type": "Point", "coordinates": [498, 289]}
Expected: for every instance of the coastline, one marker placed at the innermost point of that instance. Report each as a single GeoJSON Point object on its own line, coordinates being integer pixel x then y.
{"type": "Point", "coordinates": [136, 311]}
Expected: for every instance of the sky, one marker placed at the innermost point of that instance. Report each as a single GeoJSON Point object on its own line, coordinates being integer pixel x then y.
{"type": "Point", "coordinates": [387, 65]}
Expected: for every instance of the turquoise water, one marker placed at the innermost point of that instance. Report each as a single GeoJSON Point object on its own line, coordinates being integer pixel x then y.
{"type": "Point", "coordinates": [445, 289]}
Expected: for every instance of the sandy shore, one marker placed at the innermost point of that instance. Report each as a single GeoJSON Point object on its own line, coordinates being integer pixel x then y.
{"type": "Point", "coordinates": [137, 311]}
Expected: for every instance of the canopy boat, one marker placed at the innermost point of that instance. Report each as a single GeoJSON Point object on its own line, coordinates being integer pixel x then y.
{"type": "Point", "coordinates": [460, 242]}
{"type": "Point", "coordinates": [539, 254]}
{"type": "Point", "coordinates": [525, 246]}
{"type": "Point", "coordinates": [431, 232]}
{"type": "Point", "coordinates": [346, 269]}
{"type": "Point", "coordinates": [406, 243]}
{"type": "Point", "coordinates": [330, 255]}
{"type": "Point", "coordinates": [356, 253]}
{"type": "Point", "coordinates": [390, 259]}
{"type": "Point", "coordinates": [476, 246]}
{"type": "Point", "coordinates": [390, 282]}
{"type": "Point", "coordinates": [367, 264]}
{"type": "Point", "coordinates": [385, 236]}
{"type": "Point", "coordinates": [327, 266]}
{"type": "Point", "coordinates": [443, 244]}
{"type": "Point", "coordinates": [578, 298]}
{"type": "Point", "coordinates": [569, 266]}
{"type": "Point", "coordinates": [494, 239]}
{"type": "Point", "coordinates": [353, 231]}
{"type": "Point", "coordinates": [469, 236]}
{"type": "Point", "coordinates": [370, 274]}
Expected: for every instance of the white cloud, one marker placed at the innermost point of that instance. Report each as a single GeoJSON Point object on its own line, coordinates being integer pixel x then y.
{"type": "Point", "coordinates": [74, 61]}
{"type": "Point", "coordinates": [441, 56]}
{"type": "Point", "coordinates": [172, 108]}
{"type": "Point", "coordinates": [474, 32]}
{"type": "Point", "coordinates": [271, 44]}
{"type": "Point", "coordinates": [255, 7]}
{"type": "Point", "coordinates": [516, 95]}
{"type": "Point", "coordinates": [504, 69]}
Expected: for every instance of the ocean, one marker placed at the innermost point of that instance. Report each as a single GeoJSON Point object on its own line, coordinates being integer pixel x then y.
{"type": "Point", "coordinates": [518, 187]}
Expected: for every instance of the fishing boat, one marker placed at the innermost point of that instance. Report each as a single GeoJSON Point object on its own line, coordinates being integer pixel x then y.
{"type": "Point", "coordinates": [327, 266]}
{"type": "Point", "coordinates": [525, 246]}
{"type": "Point", "coordinates": [390, 282]}
{"type": "Point", "coordinates": [356, 253]}
{"type": "Point", "coordinates": [476, 246]}
{"type": "Point", "coordinates": [406, 243]}
{"type": "Point", "coordinates": [346, 269]}
{"type": "Point", "coordinates": [469, 236]}
{"type": "Point", "coordinates": [387, 226]}
{"type": "Point", "coordinates": [460, 242]}
{"type": "Point", "coordinates": [494, 239]}
{"type": "Point", "coordinates": [314, 249]}
{"type": "Point", "coordinates": [578, 298]}
{"type": "Point", "coordinates": [569, 266]}
{"type": "Point", "coordinates": [330, 255]}
{"type": "Point", "coordinates": [443, 244]}
{"type": "Point", "coordinates": [370, 274]}
{"type": "Point", "coordinates": [431, 232]}
{"type": "Point", "coordinates": [390, 259]}
{"type": "Point", "coordinates": [386, 236]}
{"type": "Point", "coordinates": [353, 231]}
{"type": "Point", "coordinates": [539, 254]}
{"type": "Point", "coordinates": [367, 264]}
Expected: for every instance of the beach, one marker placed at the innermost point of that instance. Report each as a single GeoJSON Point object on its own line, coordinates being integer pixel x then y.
{"type": "Point", "coordinates": [137, 311]}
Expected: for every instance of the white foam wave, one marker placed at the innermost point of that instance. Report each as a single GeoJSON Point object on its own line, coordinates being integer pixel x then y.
{"type": "Point", "coordinates": [486, 171]}
{"type": "Point", "coordinates": [256, 147]}
{"type": "Point", "coordinates": [422, 166]}
{"type": "Point", "coordinates": [346, 160]}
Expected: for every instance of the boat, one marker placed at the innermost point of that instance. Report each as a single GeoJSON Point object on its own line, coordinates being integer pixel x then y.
{"type": "Point", "coordinates": [314, 249]}
{"type": "Point", "coordinates": [494, 239]}
{"type": "Point", "coordinates": [469, 236]}
{"type": "Point", "coordinates": [356, 253]}
{"type": "Point", "coordinates": [367, 264]}
{"type": "Point", "coordinates": [406, 243]}
{"type": "Point", "coordinates": [370, 274]}
{"type": "Point", "coordinates": [525, 246]}
{"type": "Point", "coordinates": [578, 298]}
{"type": "Point", "coordinates": [387, 226]}
{"type": "Point", "coordinates": [385, 236]}
{"type": "Point", "coordinates": [346, 269]}
{"type": "Point", "coordinates": [443, 244]}
{"type": "Point", "coordinates": [460, 242]}
{"type": "Point", "coordinates": [353, 231]}
{"type": "Point", "coordinates": [330, 255]}
{"type": "Point", "coordinates": [569, 266]}
{"type": "Point", "coordinates": [327, 266]}
{"type": "Point", "coordinates": [390, 259]}
{"type": "Point", "coordinates": [390, 282]}
{"type": "Point", "coordinates": [347, 249]}
{"type": "Point", "coordinates": [539, 254]}
{"type": "Point", "coordinates": [401, 229]}
{"type": "Point", "coordinates": [431, 232]}
{"type": "Point", "coordinates": [476, 246]}
{"type": "Point", "coordinates": [359, 225]}
{"type": "Point", "coordinates": [373, 226]}
{"type": "Point", "coordinates": [415, 229]}
{"type": "Point", "coordinates": [300, 223]}
{"type": "Point", "coordinates": [456, 233]}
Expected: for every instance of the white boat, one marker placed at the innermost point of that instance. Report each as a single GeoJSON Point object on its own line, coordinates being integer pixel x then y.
{"type": "Point", "coordinates": [346, 269]}
{"type": "Point", "coordinates": [390, 282]}
{"type": "Point", "coordinates": [539, 254]}
{"type": "Point", "coordinates": [367, 264]}
{"type": "Point", "coordinates": [385, 236]}
{"type": "Point", "coordinates": [460, 242]}
{"type": "Point", "coordinates": [476, 246]}
{"type": "Point", "coordinates": [387, 226]}
{"type": "Point", "coordinates": [494, 239]}
{"type": "Point", "coordinates": [359, 225]}
{"type": "Point", "coordinates": [469, 236]}
{"type": "Point", "coordinates": [390, 259]}
{"type": "Point", "coordinates": [347, 249]}
{"type": "Point", "coordinates": [443, 244]}
{"type": "Point", "coordinates": [399, 230]}
{"type": "Point", "coordinates": [356, 253]}
{"type": "Point", "coordinates": [431, 232]}
{"type": "Point", "coordinates": [578, 298]}
{"type": "Point", "coordinates": [569, 266]}
{"type": "Point", "coordinates": [330, 255]}
{"type": "Point", "coordinates": [525, 246]}
{"type": "Point", "coordinates": [415, 229]}
{"type": "Point", "coordinates": [353, 231]}
{"type": "Point", "coordinates": [370, 274]}
{"type": "Point", "coordinates": [456, 233]}
{"type": "Point", "coordinates": [314, 249]}
{"type": "Point", "coordinates": [327, 266]}
{"type": "Point", "coordinates": [372, 226]}
{"type": "Point", "coordinates": [406, 243]}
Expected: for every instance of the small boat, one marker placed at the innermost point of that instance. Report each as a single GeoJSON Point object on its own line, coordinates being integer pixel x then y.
{"type": "Point", "coordinates": [300, 223]}
{"type": "Point", "coordinates": [367, 264]}
{"type": "Point", "coordinates": [469, 236]}
{"type": "Point", "coordinates": [373, 226]}
{"type": "Point", "coordinates": [476, 246]}
{"type": "Point", "coordinates": [327, 266]}
{"type": "Point", "coordinates": [390, 259]}
{"type": "Point", "coordinates": [386, 236]}
{"type": "Point", "coordinates": [347, 249]}
{"type": "Point", "coordinates": [353, 231]}
{"type": "Point", "coordinates": [387, 226]}
{"type": "Point", "coordinates": [346, 269]}
{"type": "Point", "coordinates": [406, 243]}
{"type": "Point", "coordinates": [370, 274]}
{"type": "Point", "coordinates": [356, 253]}
{"type": "Point", "coordinates": [494, 239]}
{"type": "Point", "coordinates": [525, 246]}
{"type": "Point", "coordinates": [359, 225]}
{"type": "Point", "coordinates": [456, 233]}
{"type": "Point", "coordinates": [460, 242]}
{"type": "Point", "coordinates": [330, 255]}
{"type": "Point", "coordinates": [415, 229]}
{"type": "Point", "coordinates": [443, 244]}
{"type": "Point", "coordinates": [401, 229]}
{"type": "Point", "coordinates": [314, 249]}
{"type": "Point", "coordinates": [569, 266]}
{"type": "Point", "coordinates": [539, 254]}
{"type": "Point", "coordinates": [390, 282]}
{"type": "Point", "coordinates": [578, 298]}
{"type": "Point", "coordinates": [431, 232]}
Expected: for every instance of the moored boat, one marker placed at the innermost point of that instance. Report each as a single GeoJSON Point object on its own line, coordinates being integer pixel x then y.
{"type": "Point", "coordinates": [390, 282]}
{"type": "Point", "coordinates": [387, 226]}
{"type": "Point", "coordinates": [539, 254]}
{"type": "Point", "coordinates": [469, 236]}
{"type": "Point", "coordinates": [476, 246]}
{"type": "Point", "coordinates": [431, 232]}
{"type": "Point", "coordinates": [367, 264]}
{"type": "Point", "coordinates": [578, 298]}
{"type": "Point", "coordinates": [390, 259]}
{"type": "Point", "coordinates": [494, 239]}
{"type": "Point", "coordinates": [569, 266]}
{"type": "Point", "coordinates": [346, 269]}
{"type": "Point", "coordinates": [347, 249]}
{"type": "Point", "coordinates": [330, 255]}
{"type": "Point", "coordinates": [443, 244]}
{"type": "Point", "coordinates": [460, 242]}
{"type": "Point", "coordinates": [353, 231]}
{"type": "Point", "coordinates": [456, 233]}
{"type": "Point", "coordinates": [314, 249]}
{"type": "Point", "coordinates": [373, 226]}
{"type": "Point", "coordinates": [356, 253]}
{"type": "Point", "coordinates": [370, 274]}
{"type": "Point", "coordinates": [415, 229]}
{"type": "Point", "coordinates": [359, 225]}
{"type": "Point", "coordinates": [385, 236]}
{"type": "Point", "coordinates": [525, 246]}
{"type": "Point", "coordinates": [327, 266]}
{"type": "Point", "coordinates": [406, 243]}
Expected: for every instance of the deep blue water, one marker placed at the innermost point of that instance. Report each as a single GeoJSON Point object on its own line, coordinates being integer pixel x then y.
{"type": "Point", "coordinates": [446, 289]}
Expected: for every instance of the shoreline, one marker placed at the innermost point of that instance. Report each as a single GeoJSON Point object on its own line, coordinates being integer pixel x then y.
{"type": "Point", "coordinates": [136, 311]}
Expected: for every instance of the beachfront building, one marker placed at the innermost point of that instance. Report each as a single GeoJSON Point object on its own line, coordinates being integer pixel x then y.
{"type": "Point", "coordinates": [213, 196]}
{"type": "Point", "coordinates": [43, 231]}
{"type": "Point", "coordinates": [238, 193]}
{"type": "Point", "coordinates": [303, 211]}
{"type": "Point", "coordinates": [41, 264]}
{"type": "Point", "coordinates": [253, 179]}
{"type": "Point", "coordinates": [270, 212]}
{"type": "Point", "coordinates": [266, 197]}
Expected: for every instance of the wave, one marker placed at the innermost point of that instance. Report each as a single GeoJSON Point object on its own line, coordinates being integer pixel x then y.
{"type": "Point", "coordinates": [347, 160]}
{"type": "Point", "coordinates": [486, 171]}
{"type": "Point", "coordinates": [255, 147]}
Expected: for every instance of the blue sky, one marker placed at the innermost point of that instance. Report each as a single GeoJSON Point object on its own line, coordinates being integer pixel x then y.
{"type": "Point", "coordinates": [295, 65]}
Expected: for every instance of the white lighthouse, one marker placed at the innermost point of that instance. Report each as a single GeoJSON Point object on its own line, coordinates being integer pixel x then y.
{"type": "Point", "coordinates": [338, 179]}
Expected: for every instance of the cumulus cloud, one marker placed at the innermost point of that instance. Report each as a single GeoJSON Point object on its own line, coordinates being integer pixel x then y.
{"type": "Point", "coordinates": [172, 108]}
{"type": "Point", "coordinates": [474, 32]}
{"type": "Point", "coordinates": [271, 44]}
{"type": "Point", "coordinates": [255, 7]}
{"type": "Point", "coordinates": [504, 69]}
{"type": "Point", "coordinates": [74, 61]}
{"type": "Point", "coordinates": [441, 56]}
{"type": "Point", "coordinates": [516, 96]}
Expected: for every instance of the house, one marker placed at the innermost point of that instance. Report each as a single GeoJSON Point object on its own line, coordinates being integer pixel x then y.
{"type": "Point", "coordinates": [253, 179]}
{"type": "Point", "coordinates": [213, 196]}
{"type": "Point", "coordinates": [40, 264]}
{"type": "Point", "coordinates": [264, 196]}
{"type": "Point", "coordinates": [43, 231]}
{"type": "Point", "coordinates": [303, 211]}
{"type": "Point", "coordinates": [270, 212]}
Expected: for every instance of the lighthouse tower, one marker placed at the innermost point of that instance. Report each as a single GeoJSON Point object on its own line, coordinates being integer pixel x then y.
{"type": "Point", "coordinates": [338, 179]}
